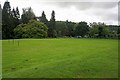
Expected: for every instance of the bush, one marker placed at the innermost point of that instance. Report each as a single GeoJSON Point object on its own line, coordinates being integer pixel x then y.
{"type": "Point", "coordinates": [33, 29]}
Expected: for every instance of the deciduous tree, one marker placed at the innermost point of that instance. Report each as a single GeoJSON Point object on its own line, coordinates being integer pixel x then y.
{"type": "Point", "coordinates": [33, 29]}
{"type": "Point", "coordinates": [81, 29]}
{"type": "Point", "coordinates": [27, 15]}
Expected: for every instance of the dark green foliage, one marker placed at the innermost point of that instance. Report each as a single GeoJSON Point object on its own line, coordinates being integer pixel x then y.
{"type": "Point", "coordinates": [27, 15]}
{"type": "Point", "coordinates": [71, 28]}
{"type": "Point", "coordinates": [61, 28]}
{"type": "Point", "coordinates": [18, 31]}
{"type": "Point", "coordinates": [0, 22]}
{"type": "Point", "coordinates": [7, 21]}
{"type": "Point", "coordinates": [17, 13]}
{"type": "Point", "coordinates": [51, 26]}
{"type": "Point", "coordinates": [33, 29]}
{"type": "Point", "coordinates": [65, 29]}
{"type": "Point", "coordinates": [43, 18]}
{"type": "Point", "coordinates": [102, 30]}
{"type": "Point", "coordinates": [81, 29]}
{"type": "Point", "coordinates": [93, 30]}
{"type": "Point", "coordinates": [53, 16]}
{"type": "Point", "coordinates": [118, 33]}
{"type": "Point", "coordinates": [15, 19]}
{"type": "Point", "coordinates": [10, 19]}
{"type": "Point", "coordinates": [114, 31]}
{"type": "Point", "coordinates": [99, 30]}
{"type": "Point", "coordinates": [16, 16]}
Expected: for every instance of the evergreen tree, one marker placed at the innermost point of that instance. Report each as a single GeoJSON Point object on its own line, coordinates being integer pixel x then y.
{"type": "Point", "coordinates": [17, 13]}
{"type": "Point", "coordinates": [43, 18]}
{"type": "Point", "coordinates": [0, 22]}
{"type": "Point", "coordinates": [6, 21]}
{"type": "Point", "coordinates": [53, 16]}
{"type": "Point", "coordinates": [0, 6]}
{"type": "Point", "coordinates": [14, 13]}
{"type": "Point", "coordinates": [52, 28]}
{"type": "Point", "coordinates": [15, 19]}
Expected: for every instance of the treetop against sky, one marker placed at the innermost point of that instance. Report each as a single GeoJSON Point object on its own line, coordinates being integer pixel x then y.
{"type": "Point", "coordinates": [94, 11]}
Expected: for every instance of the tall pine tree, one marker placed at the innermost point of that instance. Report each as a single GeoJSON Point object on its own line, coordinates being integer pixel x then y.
{"type": "Point", "coordinates": [17, 13]}
{"type": "Point", "coordinates": [52, 28]}
{"type": "Point", "coordinates": [15, 19]}
{"type": "Point", "coordinates": [10, 19]}
{"type": "Point", "coordinates": [6, 21]}
{"type": "Point", "coordinates": [43, 18]}
{"type": "Point", "coordinates": [0, 22]}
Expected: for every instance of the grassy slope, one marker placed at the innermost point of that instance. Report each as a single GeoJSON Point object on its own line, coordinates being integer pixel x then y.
{"type": "Point", "coordinates": [60, 58]}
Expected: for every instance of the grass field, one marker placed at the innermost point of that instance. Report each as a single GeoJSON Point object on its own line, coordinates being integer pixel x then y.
{"type": "Point", "coordinates": [60, 58]}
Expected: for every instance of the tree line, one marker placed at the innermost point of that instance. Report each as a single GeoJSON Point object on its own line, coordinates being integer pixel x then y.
{"type": "Point", "coordinates": [28, 25]}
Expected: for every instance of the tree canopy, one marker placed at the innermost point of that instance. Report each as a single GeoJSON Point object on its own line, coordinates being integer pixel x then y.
{"type": "Point", "coordinates": [99, 30]}
{"type": "Point", "coordinates": [30, 26]}
{"type": "Point", "coordinates": [81, 29]}
{"type": "Point", "coordinates": [33, 29]}
{"type": "Point", "coordinates": [27, 15]}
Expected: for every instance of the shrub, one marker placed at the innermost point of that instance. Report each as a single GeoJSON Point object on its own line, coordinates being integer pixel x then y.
{"type": "Point", "coordinates": [33, 29]}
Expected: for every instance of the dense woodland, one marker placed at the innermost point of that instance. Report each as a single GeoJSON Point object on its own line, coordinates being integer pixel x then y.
{"type": "Point", "coordinates": [28, 25]}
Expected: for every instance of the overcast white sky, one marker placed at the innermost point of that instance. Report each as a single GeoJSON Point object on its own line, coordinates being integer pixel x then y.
{"type": "Point", "coordinates": [73, 10]}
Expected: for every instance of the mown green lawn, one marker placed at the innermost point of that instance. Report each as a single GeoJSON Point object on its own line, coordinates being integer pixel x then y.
{"type": "Point", "coordinates": [60, 58]}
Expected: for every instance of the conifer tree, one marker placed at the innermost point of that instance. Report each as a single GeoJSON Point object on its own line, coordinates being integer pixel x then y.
{"type": "Point", "coordinates": [0, 22]}
{"type": "Point", "coordinates": [6, 20]}
{"type": "Point", "coordinates": [43, 18]}
{"type": "Point", "coordinates": [52, 28]}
